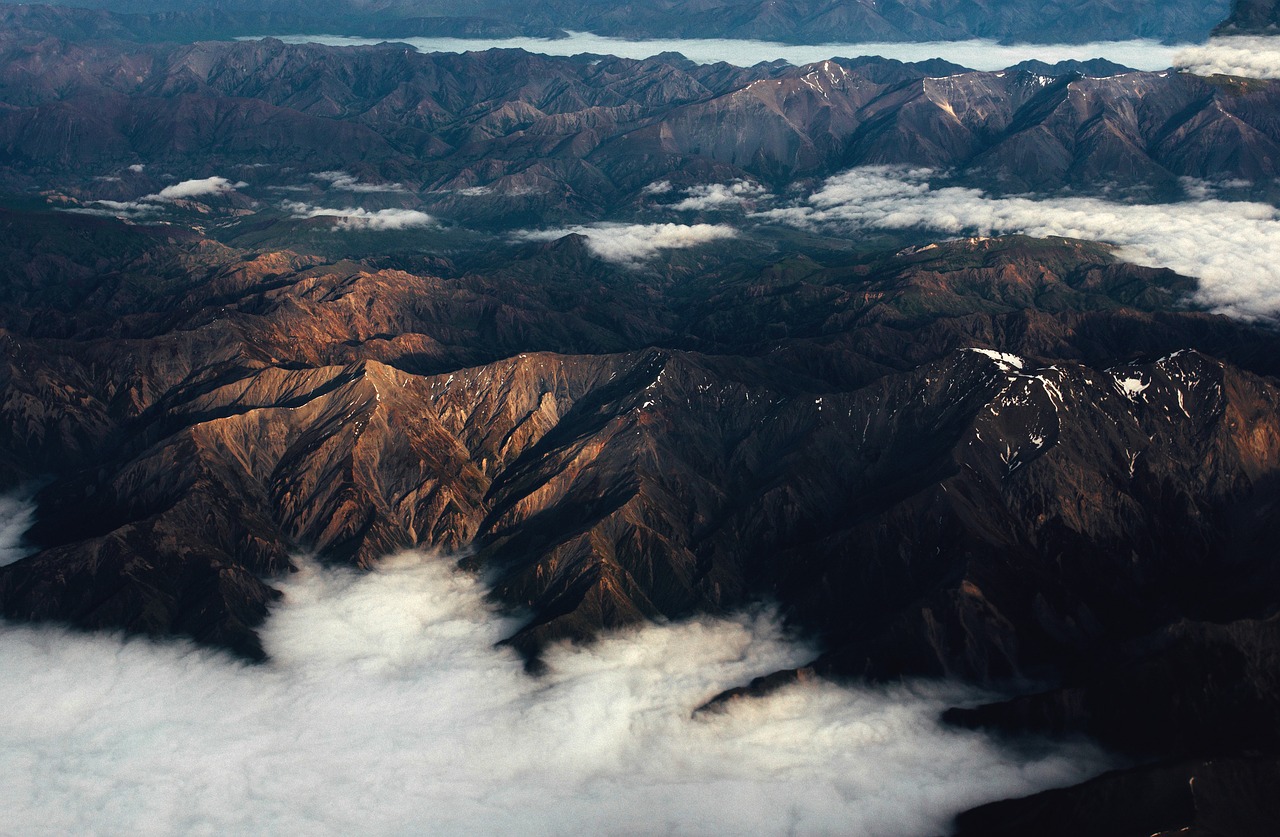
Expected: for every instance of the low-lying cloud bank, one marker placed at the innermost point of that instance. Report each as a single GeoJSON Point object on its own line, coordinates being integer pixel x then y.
{"type": "Point", "coordinates": [359, 218]}
{"type": "Point", "coordinates": [1232, 247]}
{"type": "Point", "coordinates": [634, 243]}
{"type": "Point", "coordinates": [1252, 56]}
{"type": "Point", "coordinates": [346, 182]}
{"type": "Point", "coordinates": [977, 54]}
{"type": "Point", "coordinates": [710, 196]}
{"type": "Point", "coordinates": [386, 709]}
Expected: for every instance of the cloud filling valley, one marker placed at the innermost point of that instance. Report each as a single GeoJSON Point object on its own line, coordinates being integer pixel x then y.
{"type": "Point", "coordinates": [359, 218]}
{"type": "Point", "coordinates": [1232, 247]}
{"type": "Point", "coordinates": [631, 244]}
{"type": "Point", "coordinates": [977, 54]}
{"type": "Point", "coordinates": [387, 709]}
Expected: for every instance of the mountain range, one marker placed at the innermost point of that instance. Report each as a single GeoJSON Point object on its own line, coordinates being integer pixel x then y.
{"type": "Point", "coordinates": [510, 137]}
{"type": "Point", "coordinates": [1005, 460]}
{"type": "Point", "coordinates": [1020, 462]}
{"type": "Point", "coordinates": [795, 21]}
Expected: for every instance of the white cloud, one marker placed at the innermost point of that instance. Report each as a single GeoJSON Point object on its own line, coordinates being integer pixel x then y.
{"type": "Point", "coordinates": [1232, 247]}
{"type": "Point", "coordinates": [137, 168]}
{"type": "Point", "coordinates": [719, 196]}
{"type": "Point", "coordinates": [1198, 189]}
{"type": "Point", "coordinates": [346, 182]}
{"type": "Point", "coordinates": [658, 187]}
{"type": "Point", "coordinates": [359, 218]}
{"type": "Point", "coordinates": [633, 243]}
{"type": "Point", "coordinates": [195, 189]}
{"type": "Point", "coordinates": [154, 204]}
{"type": "Point", "coordinates": [387, 710]}
{"type": "Point", "coordinates": [1252, 56]}
{"type": "Point", "coordinates": [17, 513]}
{"type": "Point", "coordinates": [117, 209]}
{"type": "Point", "coordinates": [978, 54]}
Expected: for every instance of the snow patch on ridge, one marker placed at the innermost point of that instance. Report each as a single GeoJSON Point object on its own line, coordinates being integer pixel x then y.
{"type": "Point", "coordinates": [1007, 362]}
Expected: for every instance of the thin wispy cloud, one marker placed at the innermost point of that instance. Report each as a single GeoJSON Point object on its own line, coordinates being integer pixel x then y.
{"type": "Point", "coordinates": [1232, 247]}
{"type": "Point", "coordinates": [359, 218]}
{"type": "Point", "coordinates": [346, 182]}
{"type": "Point", "coordinates": [636, 243]}
{"type": "Point", "coordinates": [387, 709]}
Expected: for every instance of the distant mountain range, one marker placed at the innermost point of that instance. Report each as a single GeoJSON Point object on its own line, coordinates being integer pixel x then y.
{"type": "Point", "coordinates": [514, 137]}
{"type": "Point", "coordinates": [796, 21]}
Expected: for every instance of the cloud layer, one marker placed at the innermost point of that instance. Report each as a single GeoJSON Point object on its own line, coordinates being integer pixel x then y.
{"type": "Point", "coordinates": [634, 243]}
{"type": "Point", "coordinates": [359, 218]}
{"type": "Point", "coordinates": [345, 182]}
{"type": "Point", "coordinates": [386, 709]}
{"type": "Point", "coordinates": [1253, 56]}
{"type": "Point", "coordinates": [1232, 247]}
{"type": "Point", "coordinates": [710, 196]}
{"type": "Point", "coordinates": [978, 54]}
